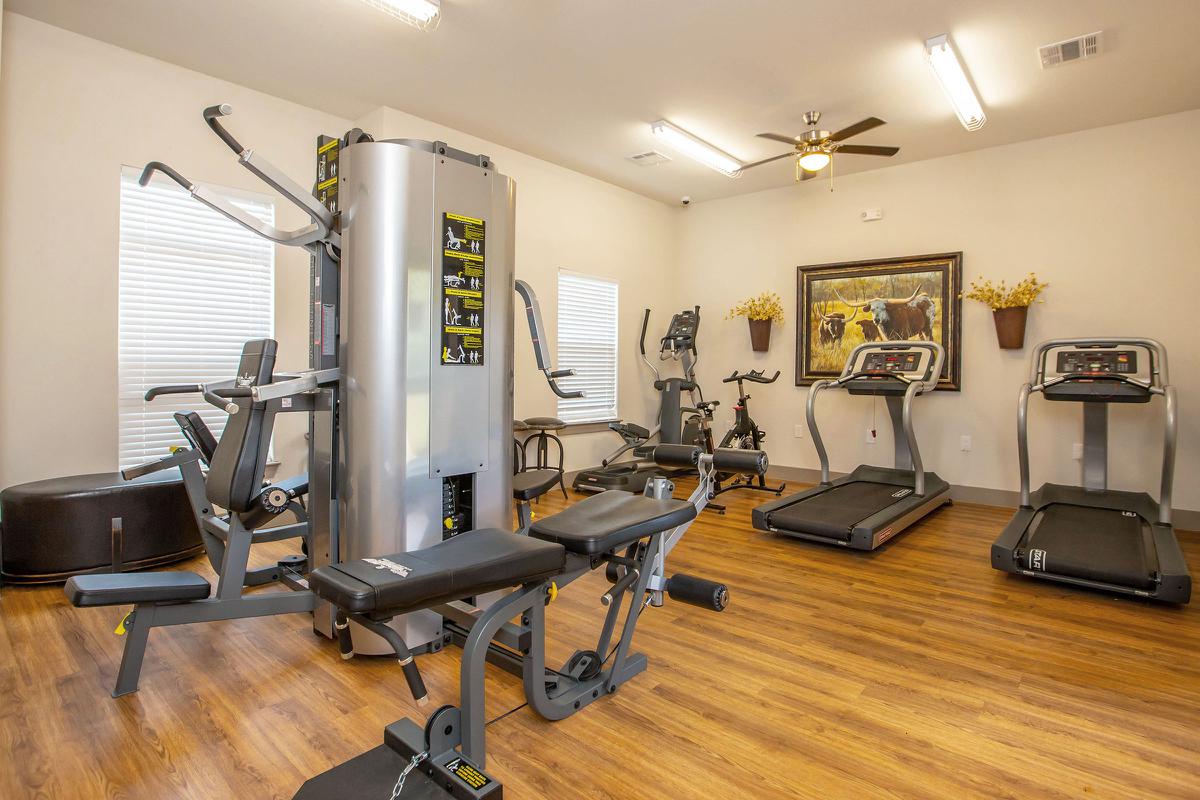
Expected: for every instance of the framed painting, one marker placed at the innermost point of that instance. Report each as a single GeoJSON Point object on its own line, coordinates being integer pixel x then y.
{"type": "Point", "coordinates": [840, 306]}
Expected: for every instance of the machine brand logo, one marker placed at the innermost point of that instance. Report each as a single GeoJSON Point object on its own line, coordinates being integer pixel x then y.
{"type": "Point", "coordinates": [1037, 560]}
{"type": "Point", "coordinates": [391, 566]}
{"type": "Point", "coordinates": [902, 493]}
{"type": "Point", "coordinates": [884, 535]}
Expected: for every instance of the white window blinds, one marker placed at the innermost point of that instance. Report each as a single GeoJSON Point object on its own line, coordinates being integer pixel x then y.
{"type": "Point", "coordinates": [194, 286]}
{"type": "Point", "coordinates": [587, 343]}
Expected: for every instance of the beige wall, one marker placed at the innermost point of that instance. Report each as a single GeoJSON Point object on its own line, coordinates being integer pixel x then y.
{"type": "Point", "coordinates": [1108, 216]}
{"type": "Point", "coordinates": [73, 110]}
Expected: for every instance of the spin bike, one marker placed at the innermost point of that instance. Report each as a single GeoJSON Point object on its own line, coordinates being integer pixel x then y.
{"type": "Point", "coordinates": [745, 435]}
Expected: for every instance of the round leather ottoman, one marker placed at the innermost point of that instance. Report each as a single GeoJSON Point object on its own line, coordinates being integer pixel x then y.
{"type": "Point", "coordinates": [56, 528]}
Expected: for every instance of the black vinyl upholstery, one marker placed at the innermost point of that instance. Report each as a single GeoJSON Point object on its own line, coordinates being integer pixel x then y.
{"type": "Point", "coordinates": [534, 483]}
{"type": "Point", "coordinates": [121, 589]}
{"type": "Point", "coordinates": [236, 475]}
{"type": "Point", "coordinates": [197, 432]}
{"type": "Point", "coordinates": [610, 520]}
{"type": "Point", "coordinates": [470, 563]}
{"type": "Point", "coordinates": [60, 527]}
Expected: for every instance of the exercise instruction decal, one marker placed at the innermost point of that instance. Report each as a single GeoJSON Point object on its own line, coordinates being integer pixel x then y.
{"type": "Point", "coordinates": [462, 290]}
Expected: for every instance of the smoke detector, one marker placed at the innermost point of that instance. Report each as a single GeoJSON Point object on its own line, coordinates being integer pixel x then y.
{"type": "Point", "coordinates": [649, 159]}
{"type": "Point", "coordinates": [1080, 48]}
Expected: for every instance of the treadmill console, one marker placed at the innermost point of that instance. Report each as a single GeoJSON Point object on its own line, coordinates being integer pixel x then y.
{"type": "Point", "coordinates": [882, 362]}
{"type": "Point", "coordinates": [1097, 362]}
{"type": "Point", "coordinates": [1093, 375]}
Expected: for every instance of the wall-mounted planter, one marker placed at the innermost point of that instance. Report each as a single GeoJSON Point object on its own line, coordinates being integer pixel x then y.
{"type": "Point", "coordinates": [760, 334]}
{"type": "Point", "coordinates": [1010, 326]}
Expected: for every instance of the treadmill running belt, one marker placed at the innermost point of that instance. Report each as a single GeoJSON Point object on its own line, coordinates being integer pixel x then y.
{"type": "Point", "coordinates": [834, 512]}
{"type": "Point", "coordinates": [1096, 544]}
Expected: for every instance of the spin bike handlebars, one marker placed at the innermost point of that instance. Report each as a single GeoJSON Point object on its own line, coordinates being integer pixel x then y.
{"type": "Point", "coordinates": [754, 376]}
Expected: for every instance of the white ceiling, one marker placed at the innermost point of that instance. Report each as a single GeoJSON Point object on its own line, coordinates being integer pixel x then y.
{"type": "Point", "coordinates": [577, 82]}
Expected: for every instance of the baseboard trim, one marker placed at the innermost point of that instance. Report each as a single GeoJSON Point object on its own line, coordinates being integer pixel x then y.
{"type": "Point", "coordinates": [1185, 520]}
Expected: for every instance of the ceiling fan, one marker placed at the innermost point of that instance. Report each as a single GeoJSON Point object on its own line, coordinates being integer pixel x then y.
{"type": "Point", "coordinates": [814, 149]}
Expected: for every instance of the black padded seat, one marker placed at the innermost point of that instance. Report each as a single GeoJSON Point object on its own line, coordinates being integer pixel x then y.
{"type": "Point", "coordinates": [474, 562]}
{"type": "Point", "coordinates": [610, 520]}
{"type": "Point", "coordinates": [122, 589]}
{"type": "Point", "coordinates": [534, 483]}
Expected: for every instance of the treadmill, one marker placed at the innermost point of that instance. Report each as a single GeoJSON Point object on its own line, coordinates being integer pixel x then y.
{"type": "Point", "coordinates": [1091, 535]}
{"type": "Point", "coordinates": [869, 506]}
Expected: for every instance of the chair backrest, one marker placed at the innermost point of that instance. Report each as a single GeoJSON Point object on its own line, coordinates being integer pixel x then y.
{"type": "Point", "coordinates": [236, 471]}
{"type": "Point", "coordinates": [198, 435]}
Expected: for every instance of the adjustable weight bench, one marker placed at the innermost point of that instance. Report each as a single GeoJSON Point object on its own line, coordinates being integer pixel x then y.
{"type": "Point", "coordinates": [630, 535]}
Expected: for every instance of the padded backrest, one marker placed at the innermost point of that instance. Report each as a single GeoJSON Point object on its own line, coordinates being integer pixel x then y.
{"type": "Point", "coordinates": [236, 473]}
{"type": "Point", "coordinates": [197, 434]}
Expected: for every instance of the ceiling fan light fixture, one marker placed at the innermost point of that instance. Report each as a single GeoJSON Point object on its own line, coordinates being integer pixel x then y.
{"type": "Point", "coordinates": [950, 73]}
{"type": "Point", "coordinates": [421, 14]}
{"type": "Point", "coordinates": [814, 159]}
{"type": "Point", "coordinates": [696, 149]}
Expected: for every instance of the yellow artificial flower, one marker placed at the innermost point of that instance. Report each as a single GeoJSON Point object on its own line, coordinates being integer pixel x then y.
{"type": "Point", "coordinates": [767, 305]}
{"type": "Point", "coordinates": [998, 296]}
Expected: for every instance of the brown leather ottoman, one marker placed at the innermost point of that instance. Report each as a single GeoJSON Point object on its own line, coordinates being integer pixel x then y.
{"type": "Point", "coordinates": [56, 528]}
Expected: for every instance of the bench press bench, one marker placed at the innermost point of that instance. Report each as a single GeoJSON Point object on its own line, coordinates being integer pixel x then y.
{"type": "Point", "coordinates": [629, 534]}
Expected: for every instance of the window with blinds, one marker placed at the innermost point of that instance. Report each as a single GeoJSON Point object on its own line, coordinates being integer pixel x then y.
{"type": "Point", "coordinates": [194, 286]}
{"type": "Point", "coordinates": [587, 343]}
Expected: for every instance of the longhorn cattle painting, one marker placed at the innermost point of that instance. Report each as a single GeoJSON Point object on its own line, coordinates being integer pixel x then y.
{"type": "Point", "coordinates": [843, 305]}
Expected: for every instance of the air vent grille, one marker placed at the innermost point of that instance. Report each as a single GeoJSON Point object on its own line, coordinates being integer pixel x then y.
{"type": "Point", "coordinates": [649, 159]}
{"type": "Point", "coordinates": [1080, 48]}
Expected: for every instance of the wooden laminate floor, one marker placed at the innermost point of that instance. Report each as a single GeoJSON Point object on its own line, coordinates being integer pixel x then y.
{"type": "Point", "coordinates": [912, 672]}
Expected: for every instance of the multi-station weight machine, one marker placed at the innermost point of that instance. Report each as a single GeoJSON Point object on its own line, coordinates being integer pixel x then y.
{"type": "Point", "coordinates": [410, 394]}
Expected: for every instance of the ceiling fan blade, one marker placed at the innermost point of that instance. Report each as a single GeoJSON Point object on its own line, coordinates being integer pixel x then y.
{"type": "Point", "coordinates": [779, 137]}
{"type": "Point", "coordinates": [857, 128]}
{"type": "Point", "coordinates": [868, 150]}
{"type": "Point", "coordinates": [768, 160]}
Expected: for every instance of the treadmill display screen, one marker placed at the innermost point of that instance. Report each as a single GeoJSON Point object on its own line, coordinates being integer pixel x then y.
{"type": "Point", "coordinates": [882, 361]}
{"type": "Point", "coordinates": [1097, 362]}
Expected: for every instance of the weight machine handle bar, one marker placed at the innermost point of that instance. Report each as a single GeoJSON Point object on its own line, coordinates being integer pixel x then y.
{"type": "Point", "coordinates": [211, 115]}
{"type": "Point", "coordinates": [754, 376]}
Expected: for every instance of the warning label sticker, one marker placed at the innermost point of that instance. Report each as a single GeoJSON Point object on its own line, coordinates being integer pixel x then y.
{"type": "Point", "coordinates": [467, 773]}
{"type": "Point", "coordinates": [463, 274]}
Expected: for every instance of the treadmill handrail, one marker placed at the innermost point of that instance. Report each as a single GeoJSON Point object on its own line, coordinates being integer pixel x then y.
{"type": "Point", "coordinates": [810, 413]}
{"type": "Point", "coordinates": [1158, 355]}
{"type": "Point", "coordinates": [933, 374]}
{"type": "Point", "coordinates": [913, 450]}
{"type": "Point", "coordinates": [1097, 376]}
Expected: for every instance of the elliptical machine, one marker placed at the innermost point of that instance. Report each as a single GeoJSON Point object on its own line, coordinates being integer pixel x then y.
{"type": "Point", "coordinates": [679, 344]}
{"type": "Point", "coordinates": [746, 435]}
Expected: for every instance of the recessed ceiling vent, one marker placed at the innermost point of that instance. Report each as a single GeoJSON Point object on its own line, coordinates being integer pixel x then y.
{"type": "Point", "coordinates": [1078, 49]}
{"type": "Point", "coordinates": [649, 159]}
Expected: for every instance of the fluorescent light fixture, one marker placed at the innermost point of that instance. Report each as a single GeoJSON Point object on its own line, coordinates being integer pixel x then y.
{"type": "Point", "coordinates": [685, 143]}
{"type": "Point", "coordinates": [814, 160]}
{"type": "Point", "coordinates": [422, 14]}
{"type": "Point", "coordinates": [953, 77]}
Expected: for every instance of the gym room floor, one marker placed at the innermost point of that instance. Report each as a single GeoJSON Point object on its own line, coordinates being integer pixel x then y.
{"type": "Point", "coordinates": [915, 671]}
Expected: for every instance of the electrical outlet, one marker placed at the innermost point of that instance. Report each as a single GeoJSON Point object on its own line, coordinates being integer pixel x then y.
{"type": "Point", "coordinates": [870, 436]}
{"type": "Point", "coordinates": [1077, 451]}
{"type": "Point", "coordinates": [798, 431]}
{"type": "Point", "coordinates": [964, 444]}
